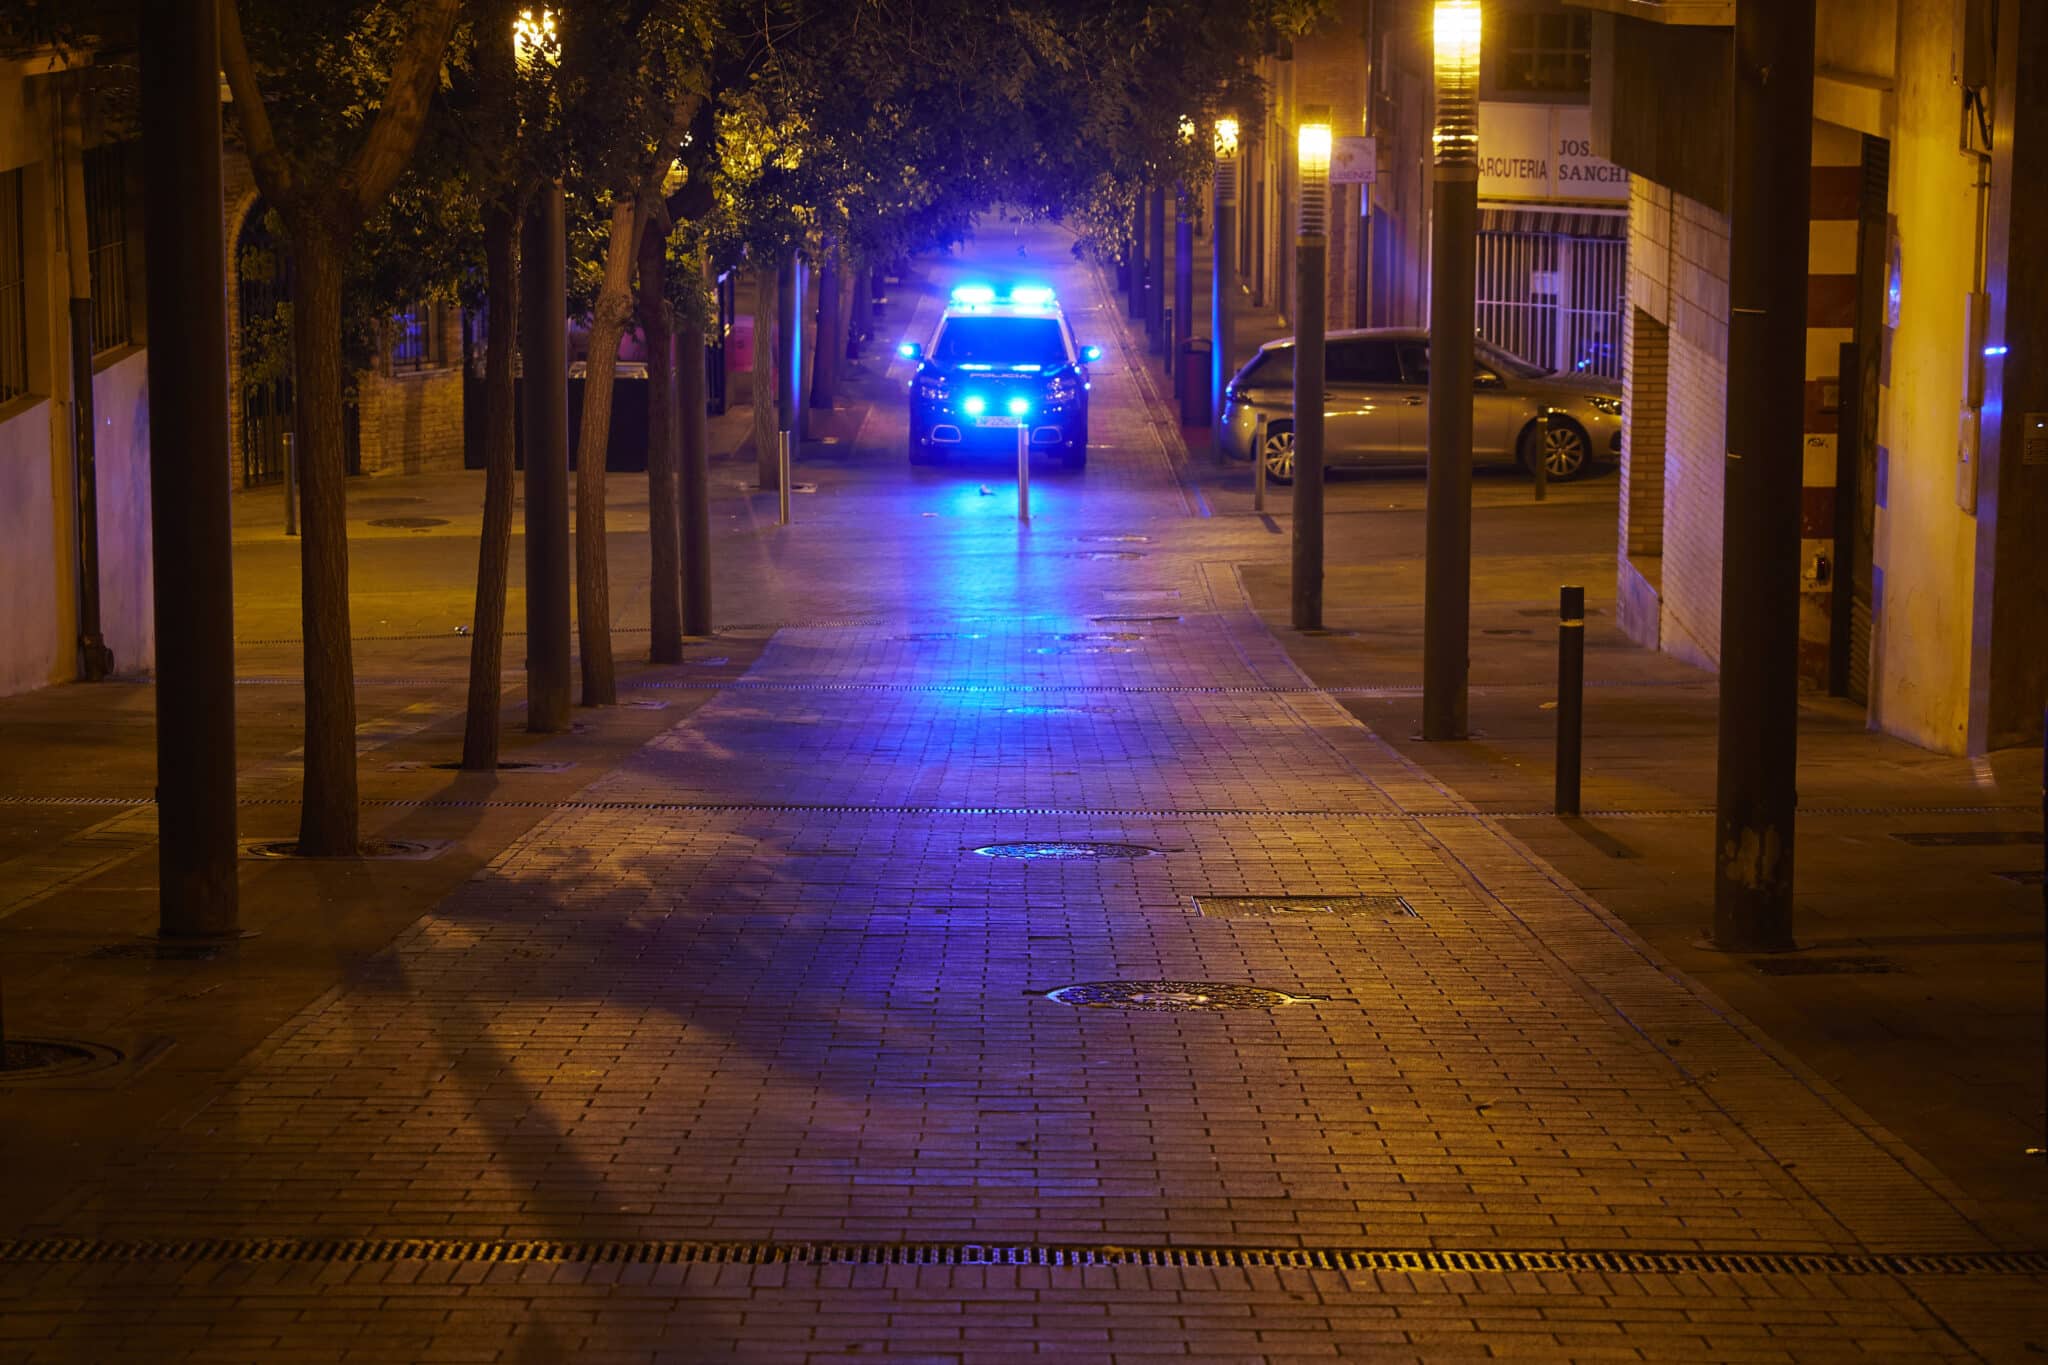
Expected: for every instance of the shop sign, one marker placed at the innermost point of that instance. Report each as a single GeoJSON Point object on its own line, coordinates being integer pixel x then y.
{"type": "Point", "coordinates": [1543, 151]}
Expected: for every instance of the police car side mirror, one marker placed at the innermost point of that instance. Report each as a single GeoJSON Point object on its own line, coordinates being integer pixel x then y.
{"type": "Point", "coordinates": [910, 350]}
{"type": "Point", "coordinates": [1091, 353]}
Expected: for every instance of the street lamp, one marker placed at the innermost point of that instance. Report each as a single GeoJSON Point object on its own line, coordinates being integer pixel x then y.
{"type": "Point", "coordinates": [1221, 248]}
{"type": "Point", "coordinates": [544, 396]}
{"type": "Point", "coordinates": [1183, 278]}
{"type": "Point", "coordinates": [1447, 572]}
{"type": "Point", "coordinates": [1311, 248]}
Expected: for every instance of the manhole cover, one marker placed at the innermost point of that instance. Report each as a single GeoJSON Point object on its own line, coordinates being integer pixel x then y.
{"type": "Point", "coordinates": [409, 523]}
{"type": "Point", "coordinates": [372, 850]}
{"type": "Point", "coordinates": [1166, 996]}
{"type": "Point", "coordinates": [1825, 966]}
{"type": "Point", "coordinates": [1302, 907]}
{"type": "Point", "coordinates": [924, 636]}
{"type": "Point", "coordinates": [1102, 636]}
{"type": "Point", "coordinates": [38, 1059]}
{"type": "Point", "coordinates": [1056, 851]}
{"type": "Point", "coordinates": [156, 951]}
{"type": "Point", "coordinates": [1970, 838]}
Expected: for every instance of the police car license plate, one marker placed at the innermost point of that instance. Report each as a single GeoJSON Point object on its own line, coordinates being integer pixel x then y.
{"type": "Point", "coordinates": [995, 420]}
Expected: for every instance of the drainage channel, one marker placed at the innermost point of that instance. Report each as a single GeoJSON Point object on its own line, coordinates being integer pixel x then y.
{"type": "Point", "coordinates": [663, 1251]}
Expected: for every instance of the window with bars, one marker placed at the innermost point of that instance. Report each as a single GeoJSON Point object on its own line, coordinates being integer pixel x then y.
{"type": "Point", "coordinates": [412, 339]}
{"type": "Point", "coordinates": [106, 243]}
{"type": "Point", "coordinates": [1544, 53]}
{"type": "Point", "coordinates": [13, 291]}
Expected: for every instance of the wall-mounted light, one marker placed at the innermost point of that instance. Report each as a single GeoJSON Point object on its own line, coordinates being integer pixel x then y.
{"type": "Point", "coordinates": [1313, 152]}
{"type": "Point", "coordinates": [1457, 82]}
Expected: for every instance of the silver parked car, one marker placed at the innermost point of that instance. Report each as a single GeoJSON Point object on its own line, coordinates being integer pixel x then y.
{"type": "Point", "coordinates": [1376, 409]}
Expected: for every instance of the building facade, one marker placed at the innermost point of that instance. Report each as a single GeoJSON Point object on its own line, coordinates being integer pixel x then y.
{"type": "Point", "coordinates": [1925, 418]}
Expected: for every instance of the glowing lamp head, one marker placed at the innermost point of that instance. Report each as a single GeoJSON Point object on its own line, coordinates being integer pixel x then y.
{"type": "Point", "coordinates": [1020, 407]}
{"type": "Point", "coordinates": [534, 38]}
{"type": "Point", "coordinates": [973, 294]}
{"type": "Point", "coordinates": [974, 405]}
{"type": "Point", "coordinates": [1313, 150]}
{"type": "Point", "coordinates": [1456, 135]}
{"type": "Point", "coordinates": [1226, 136]}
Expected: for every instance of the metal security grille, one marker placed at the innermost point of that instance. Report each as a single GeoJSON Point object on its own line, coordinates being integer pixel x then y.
{"type": "Point", "coordinates": [412, 339]}
{"type": "Point", "coordinates": [106, 243]}
{"type": "Point", "coordinates": [13, 292]}
{"type": "Point", "coordinates": [1554, 300]}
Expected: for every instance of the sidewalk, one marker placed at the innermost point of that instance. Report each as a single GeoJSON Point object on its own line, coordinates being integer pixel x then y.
{"type": "Point", "coordinates": [999, 950]}
{"type": "Point", "coordinates": [1919, 916]}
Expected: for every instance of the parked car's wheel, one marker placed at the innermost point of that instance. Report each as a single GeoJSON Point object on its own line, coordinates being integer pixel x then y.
{"type": "Point", "coordinates": [1566, 450]}
{"type": "Point", "coordinates": [1278, 452]}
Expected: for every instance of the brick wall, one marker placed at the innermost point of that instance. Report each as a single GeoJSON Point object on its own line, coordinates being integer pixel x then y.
{"type": "Point", "coordinates": [1678, 267]}
{"type": "Point", "coordinates": [412, 420]}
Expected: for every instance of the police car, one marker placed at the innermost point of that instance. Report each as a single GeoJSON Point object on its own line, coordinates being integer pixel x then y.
{"type": "Point", "coordinates": [1000, 360]}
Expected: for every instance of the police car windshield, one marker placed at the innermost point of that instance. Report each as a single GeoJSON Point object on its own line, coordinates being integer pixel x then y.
{"type": "Point", "coordinates": [1000, 342]}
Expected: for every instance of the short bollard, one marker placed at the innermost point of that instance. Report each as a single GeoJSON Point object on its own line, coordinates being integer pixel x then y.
{"type": "Point", "coordinates": [1166, 327]}
{"type": "Point", "coordinates": [1542, 469]}
{"type": "Point", "coordinates": [1571, 694]}
{"type": "Point", "coordinates": [1023, 470]}
{"type": "Point", "coordinates": [291, 485]}
{"type": "Point", "coordinates": [1259, 464]}
{"type": "Point", "coordinates": [782, 479]}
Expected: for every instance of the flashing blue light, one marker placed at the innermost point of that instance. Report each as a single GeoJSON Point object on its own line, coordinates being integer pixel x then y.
{"type": "Point", "coordinates": [1031, 295]}
{"type": "Point", "coordinates": [1994, 350]}
{"type": "Point", "coordinates": [1091, 353]}
{"type": "Point", "coordinates": [1019, 407]}
{"type": "Point", "coordinates": [1027, 369]}
{"type": "Point", "coordinates": [974, 405]}
{"type": "Point", "coordinates": [907, 349]}
{"type": "Point", "coordinates": [975, 365]}
{"type": "Point", "coordinates": [973, 293]}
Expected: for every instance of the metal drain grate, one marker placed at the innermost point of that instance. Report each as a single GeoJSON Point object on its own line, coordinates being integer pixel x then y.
{"type": "Point", "coordinates": [1304, 907]}
{"type": "Point", "coordinates": [508, 765]}
{"type": "Point", "coordinates": [148, 950]}
{"type": "Point", "coordinates": [372, 850]}
{"type": "Point", "coordinates": [663, 1251]}
{"type": "Point", "coordinates": [1970, 838]}
{"type": "Point", "coordinates": [1059, 710]}
{"type": "Point", "coordinates": [1057, 851]}
{"type": "Point", "coordinates": [1853, 965]}
{"type": "Point", "coordinates": [1101, 636]}
{"type": "Point", "coordinates": [1133, 620]}
{"type": "Point", "coordinates": [2026, 876]}
{"type": "Point", "coordinates": [1105, 554]}
{"type": "Point", "coordinates": [1116, 539]}
{"type": "Point", "coordinates": [1083, 649]}
{"type": "Point", "coordinates": [1172, 996]}
{"type": "Point", "coordinates": [927, 636]}
{"type": "Point", "coordinates": [409, 523]}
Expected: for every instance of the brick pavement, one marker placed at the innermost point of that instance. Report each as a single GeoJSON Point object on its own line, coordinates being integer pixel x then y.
{"type": "Point", "coordinates": [756, 985]}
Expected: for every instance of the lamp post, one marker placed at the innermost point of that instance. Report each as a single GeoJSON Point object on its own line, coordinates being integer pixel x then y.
{"type": "Point", "coordinates": [1454, 213]}
{"type": "Point", "coordinates": [1222, 249]}
{"type": "Point", "coordinates": [1183, 276]}
{"type": "Point", "coordinates": [544, 395]}
{"type": "Point", "coordinates": [1311, 249]}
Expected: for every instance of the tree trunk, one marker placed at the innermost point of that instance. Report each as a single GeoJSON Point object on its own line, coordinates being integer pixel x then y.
{"type": "Point", "coordinates": [767, 376]}
{"type": "Point", "coordinates": [494, 550]}
{"type": "Point", "coordinates": [593, 581]}
{"type": "Point", "coordinates": [696, 472]}
{"type": "Point", "coordinates": [828, 345]}
{"type": "Point", "coordinates": [664, 454]}
{"type": "Point", "coordinates": [327, 815]}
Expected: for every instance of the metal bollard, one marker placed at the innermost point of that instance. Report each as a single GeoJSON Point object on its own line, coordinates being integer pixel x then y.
{"type": "Point", "coordinates": [1259, 463]}
{"type": "Point", "coordinates": [782, 480]}
{"type": "Point", "coordinates": [1571, 694]}
{"type": "Point", "coordinates": [1542, 469]}
{"type": "Point", "coordinates": [1024, 470]}
{"type": "Point", "coordinates": [1166, 330]}
{"type": "Point", "coordinates": [291, 485]}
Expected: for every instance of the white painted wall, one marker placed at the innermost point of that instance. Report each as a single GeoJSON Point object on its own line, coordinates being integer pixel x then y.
{"type": "Point", "coordinates": [121, 415]}
{"type": "Point", "coordinates": [30, 636]}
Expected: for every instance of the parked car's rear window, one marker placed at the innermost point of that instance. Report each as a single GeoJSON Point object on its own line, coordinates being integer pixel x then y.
{"type": "Point", "coordinates": [1269, 369]}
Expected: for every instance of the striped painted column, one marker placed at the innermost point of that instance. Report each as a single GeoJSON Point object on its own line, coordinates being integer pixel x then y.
{"type": "Point", "coordinates": [1830, 323]}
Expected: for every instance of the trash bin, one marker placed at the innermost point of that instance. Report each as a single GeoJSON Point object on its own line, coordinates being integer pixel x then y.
{"type": "Point", "coordinates": [1192, 372]}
